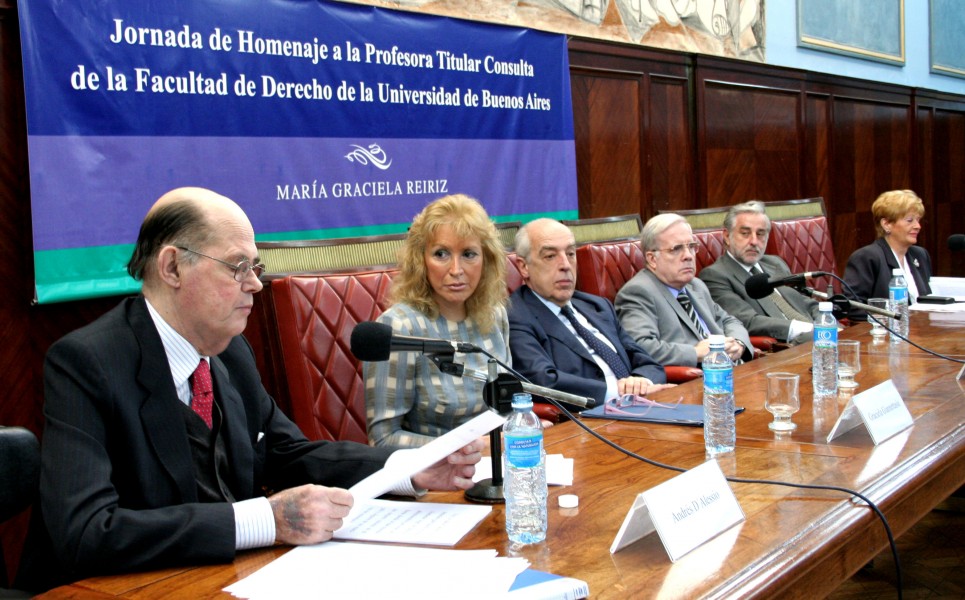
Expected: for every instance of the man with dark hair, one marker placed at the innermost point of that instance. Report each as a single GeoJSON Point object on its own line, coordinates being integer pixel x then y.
{"type": "Point", "coordinates": [568, 340]}
{"type": "Point", "coordinates": [161, 446]}
{"type": "Point", "coordinates": [786, 314]}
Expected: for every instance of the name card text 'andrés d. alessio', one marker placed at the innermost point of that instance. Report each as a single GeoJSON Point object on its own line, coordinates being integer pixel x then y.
{"type": "Point", "coordinates": [686, 511]}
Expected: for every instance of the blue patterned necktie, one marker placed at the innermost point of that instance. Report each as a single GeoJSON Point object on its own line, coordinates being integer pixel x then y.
{"type": "Point", "coordinates": [609, 356]}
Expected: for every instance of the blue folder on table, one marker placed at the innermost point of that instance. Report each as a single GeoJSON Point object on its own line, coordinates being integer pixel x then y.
{"type": "Point", "coordinates": [681, 414]}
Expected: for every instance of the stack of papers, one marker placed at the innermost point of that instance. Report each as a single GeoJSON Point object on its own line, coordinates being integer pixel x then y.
{"type": "Point", "coordinates": [352, 570]}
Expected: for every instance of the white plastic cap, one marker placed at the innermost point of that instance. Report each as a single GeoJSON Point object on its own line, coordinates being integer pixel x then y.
{"type": "Point", "coordinates": [896, 272]}
{"type": "Point", "coordinates": [716, 339]}
{"type": "Point", "coordinates": [825, 306]}
{"type": "Point", "coordinates": [569, 501]}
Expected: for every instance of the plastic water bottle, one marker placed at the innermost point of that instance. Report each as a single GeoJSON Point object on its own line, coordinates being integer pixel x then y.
{"type": "Point", "coordinates": [524, 479]}
{"type": "Point", "coordinates": [824, 353]}
{"type": "Point", "coordinates": [720, 427]}
{"type": "Point", "coordinates": [898, 303]}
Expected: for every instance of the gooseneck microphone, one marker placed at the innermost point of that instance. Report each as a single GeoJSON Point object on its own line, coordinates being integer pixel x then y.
{"type": "Point", "coordinates": [761, 285]}
{"type": "Point", "coordinates": [956, 243]}
{"type": "Point", "coordinates": [372, 341]}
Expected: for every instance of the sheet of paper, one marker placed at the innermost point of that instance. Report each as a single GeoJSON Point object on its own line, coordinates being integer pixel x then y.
{"type": "Point", "coordinates": [411, 522]}
{"type": "Point", "coordinates": [559, 470]}
{"type": "Point", "coordinates": [353, 570]}
{"type": "Point", "coordinates": [406, 463]}
{"type": "Point", "coordinates": [948, 286]}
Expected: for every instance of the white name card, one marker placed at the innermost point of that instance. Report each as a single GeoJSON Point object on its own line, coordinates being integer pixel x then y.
{"type": "Point", "coordinates": [686, 511]}
{"type": "Point", "coordinates": [881, 410]}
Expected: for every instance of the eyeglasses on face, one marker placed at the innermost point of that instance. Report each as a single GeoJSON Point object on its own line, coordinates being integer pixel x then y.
{"type": "Point", "coordinates": [679, 248]}
{"type": "Point", "coordinates": [622, 404]}
{"type": "Point", "coordinates": [241, 269]}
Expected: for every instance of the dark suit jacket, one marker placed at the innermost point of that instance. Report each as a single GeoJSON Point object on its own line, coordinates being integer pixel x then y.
{"type": "Point", "coordinates": [869, 271]}
{"type": "Point", "coordinates": [118, 489]}
{"type": "Point", "coordinates": [725, 280]}
{"type": "Point", "coordinates": [548, 354]}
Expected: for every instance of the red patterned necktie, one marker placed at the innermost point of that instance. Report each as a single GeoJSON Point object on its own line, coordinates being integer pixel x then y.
{"type": "Point", "coordinates": [202, 392]}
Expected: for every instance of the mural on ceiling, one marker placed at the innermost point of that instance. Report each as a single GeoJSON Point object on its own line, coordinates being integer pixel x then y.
{"type": "Point", "coordinates": [731, 28]}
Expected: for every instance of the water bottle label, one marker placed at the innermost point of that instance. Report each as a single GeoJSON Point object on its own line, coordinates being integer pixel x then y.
{"type": "Point", "coordinates": [826, 336]}
{"type": "Point", "coordinates": [897, 294]}
{"type": "Point", "coordinates": [720, 381]}
{"type": "Point", "coordinates": [524, 451]}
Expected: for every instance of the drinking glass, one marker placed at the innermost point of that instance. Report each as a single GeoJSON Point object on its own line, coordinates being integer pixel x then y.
{"type": "Point", "coordinates": [878, 330]}
{"type": "Point", "coordinates": [849, 363]}
{"type": "Point", "coordinates": [782, 400]}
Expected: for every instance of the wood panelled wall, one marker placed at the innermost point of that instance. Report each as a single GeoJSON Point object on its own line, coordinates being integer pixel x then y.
{"type": "Point", "coordinates": [654, 131]}
{"type": "Point", "coordinates": [659, 130]}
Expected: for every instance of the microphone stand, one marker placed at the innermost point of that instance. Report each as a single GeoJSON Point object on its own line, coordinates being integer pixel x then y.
{"type": "Point", "coordinates": [844, 304]}
{"type": "Point", "coordinates": [498, 394]}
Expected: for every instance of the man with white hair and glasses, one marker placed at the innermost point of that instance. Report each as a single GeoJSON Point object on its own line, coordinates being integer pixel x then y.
{"type": "Point", "coordinates": [666, 309]}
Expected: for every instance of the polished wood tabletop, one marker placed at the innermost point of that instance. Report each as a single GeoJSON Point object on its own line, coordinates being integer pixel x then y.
{"type": "Point", "coordinates": [795, 542]}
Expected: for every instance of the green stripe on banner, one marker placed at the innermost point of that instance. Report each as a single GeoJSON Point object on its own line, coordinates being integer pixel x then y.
{"type": "Point", "coordinates": [64, 275]}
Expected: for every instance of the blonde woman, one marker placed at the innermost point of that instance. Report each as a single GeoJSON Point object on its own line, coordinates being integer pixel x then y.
{"type": "Point", "coordinates": [452, 286]}
{"type": "Point", "coordinates": [897, 216]}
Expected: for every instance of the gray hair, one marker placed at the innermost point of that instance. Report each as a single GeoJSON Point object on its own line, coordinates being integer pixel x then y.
{"type": "Point", "coordinates": [656, 226]}
{"type": "Point", "coordinates": [522, 243]}
{"type": "Point", "coordinates": [751, 206]}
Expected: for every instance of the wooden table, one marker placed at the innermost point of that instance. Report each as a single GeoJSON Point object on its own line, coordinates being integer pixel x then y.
{"type": "Point", "coordinates": [794, 543]}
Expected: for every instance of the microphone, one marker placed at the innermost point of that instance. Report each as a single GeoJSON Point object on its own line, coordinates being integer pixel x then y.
{"type": "Point", "coordinates": [372, 341]}
{"type": "Point", "coordinates": [760, 285]}
{"type": "Point", "coordinates": [956, 243]}
{"type": "Point", "coordinates": [537, 390]}
{"type": "Point", "coordinates": [844, 304]}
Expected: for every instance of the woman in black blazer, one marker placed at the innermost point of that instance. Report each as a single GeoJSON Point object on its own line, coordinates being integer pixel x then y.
{"type": "Point", "coordinates": [897, 216]}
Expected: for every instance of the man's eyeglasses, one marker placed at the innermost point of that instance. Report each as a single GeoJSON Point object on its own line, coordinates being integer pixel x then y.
{"type": "Point", "coordinates": [621, 405]}
{"type": "Point", "coordinates": [676, 250]}
{"type": "Point", "coordinates": [241, 269]}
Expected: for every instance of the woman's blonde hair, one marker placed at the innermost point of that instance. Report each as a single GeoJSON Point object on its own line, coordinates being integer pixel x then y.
{"type": "Point", "coordinates": [894, 205]}
{"type": "Point", "coordinates": [468, 219]}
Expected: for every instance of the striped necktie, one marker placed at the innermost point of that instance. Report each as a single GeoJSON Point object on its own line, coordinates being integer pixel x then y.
{"type": "Point", "coordinates": [609, 356]}
{"type": "Point", "coordinates": [688, 307]}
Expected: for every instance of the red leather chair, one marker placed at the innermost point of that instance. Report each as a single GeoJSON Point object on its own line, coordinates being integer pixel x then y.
{"type": "Point", "coordinates": [315, 316]}
{"type": "Point", "coordinates": [805, 245]}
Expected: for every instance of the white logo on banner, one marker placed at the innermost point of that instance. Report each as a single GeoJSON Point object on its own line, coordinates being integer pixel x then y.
{"type": "Point", "coordinates": [373, 154]}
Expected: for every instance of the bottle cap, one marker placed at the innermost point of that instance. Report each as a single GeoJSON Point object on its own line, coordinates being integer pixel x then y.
{"type": "Point", "coordinates": [716, 339]}
{"type": "Point", "coordinates": [522, 399]}
{"type": "Point", "coordinates": [569, 501]}
{"type": "Point", "coordinates": [896, 272]}
{"type": "Point", "coordinates": [825, 306]}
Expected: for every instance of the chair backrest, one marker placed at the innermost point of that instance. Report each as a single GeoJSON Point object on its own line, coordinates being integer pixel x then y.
{"type": "Point", "coordinates": [799, 235]}
{"type": "Point", "coordinates": [602, 268]}
{"type": "Point", "coordinates": [315, 316]}
{"type": "Point", "coordinates": [313, 256]}
{"type": "Point", "coordinates": [601, 229]}
{"type": "Point", "coordinates": [514, 278]}
{"type": "Point", "coordinates": [19, 470]}
{"type": "Point", "coordinates": [507, 233]}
